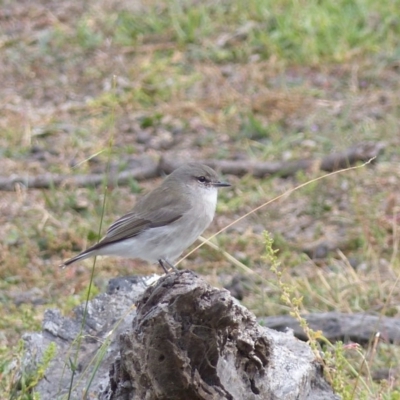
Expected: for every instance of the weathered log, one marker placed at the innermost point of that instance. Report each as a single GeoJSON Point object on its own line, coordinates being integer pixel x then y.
{"type": "Point", "coordinates": [359, 327]}
{"type": "Point", "coordinates": [187, 340]}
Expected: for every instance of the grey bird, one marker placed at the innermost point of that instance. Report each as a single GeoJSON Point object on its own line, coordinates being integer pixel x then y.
{"type": "Point", "coordinates": [165, 221]}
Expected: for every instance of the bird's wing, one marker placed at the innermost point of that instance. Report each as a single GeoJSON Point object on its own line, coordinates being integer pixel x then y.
{"type": "Point", "coordinates": [146, 215]}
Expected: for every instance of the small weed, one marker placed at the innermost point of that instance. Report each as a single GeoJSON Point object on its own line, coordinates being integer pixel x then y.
{"type": "Point", "coordinates": [132, 28]}
{"type": "Point", "coordinates": [86, 36]}
{"type": "Point", "coordinates": [18, 381]}
{"type": "Point", "coordinates": [347, 367]}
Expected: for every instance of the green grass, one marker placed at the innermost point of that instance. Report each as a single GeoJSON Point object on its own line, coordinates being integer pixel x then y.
{"type": "Point", "coordinates": [259, 80]}
{"type": "Point", "coordinates": [294, 31]}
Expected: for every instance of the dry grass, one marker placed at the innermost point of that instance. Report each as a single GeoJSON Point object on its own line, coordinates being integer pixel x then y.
{"type": "Point", "coordinates": [211, 80]}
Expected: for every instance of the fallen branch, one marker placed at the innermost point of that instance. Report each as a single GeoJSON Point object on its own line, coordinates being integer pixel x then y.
{"type": "Point", "coordinates": [361, 152]}
{"type": "Point", "coordinates": [332, 162]}
{"type": "Point", "coordinates": [359, 328]}
{"type": "Point", "coordinates": [147, 171]}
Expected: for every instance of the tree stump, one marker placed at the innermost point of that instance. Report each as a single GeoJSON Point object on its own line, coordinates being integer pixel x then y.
{"type": "Point", "coordinates": [192, 341]}
{"type": "Point", "coordinates": [187, 340]}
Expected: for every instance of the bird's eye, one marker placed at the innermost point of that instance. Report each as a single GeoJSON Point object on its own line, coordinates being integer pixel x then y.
{"type": "Point", "coordinates": [202, 179]}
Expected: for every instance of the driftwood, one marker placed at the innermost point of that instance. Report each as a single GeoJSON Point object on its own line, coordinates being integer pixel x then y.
{"type": "Point", "coordinates": [187, 340]}
{"type": "Point", "coordinates": [359, 328]}
{"type": "Point", "coordinates": [361, 152]}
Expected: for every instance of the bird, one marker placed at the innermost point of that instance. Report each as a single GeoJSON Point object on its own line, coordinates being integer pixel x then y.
{"type": "Point", "coordinates": [165, 221]}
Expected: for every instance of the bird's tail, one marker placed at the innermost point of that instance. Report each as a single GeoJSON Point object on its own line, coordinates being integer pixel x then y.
{"type": "Point", "coordinates": [82, 256]}
{"type": "Point", "coordinates": [97, 249]}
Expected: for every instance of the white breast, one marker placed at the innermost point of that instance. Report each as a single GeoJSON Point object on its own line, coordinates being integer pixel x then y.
{"type": "Point", "coordinates": [208, 202]}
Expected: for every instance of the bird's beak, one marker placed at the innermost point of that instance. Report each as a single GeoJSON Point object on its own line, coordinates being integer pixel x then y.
{"type": "Point", "coordinates": [221, 184]}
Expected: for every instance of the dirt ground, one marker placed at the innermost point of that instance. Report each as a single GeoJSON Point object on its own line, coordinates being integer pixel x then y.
{"type": "Point", "coordinates": [87, 88]}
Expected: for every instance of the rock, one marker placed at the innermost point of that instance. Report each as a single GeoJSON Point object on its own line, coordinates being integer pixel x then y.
{"type": "Point", "coordinates": [108, 315]}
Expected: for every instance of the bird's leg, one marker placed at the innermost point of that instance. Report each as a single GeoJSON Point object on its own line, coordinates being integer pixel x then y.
{"type": "Point", "coordinates": [164, 262]}
{"type": "Point", "coordinates": [161, 262]}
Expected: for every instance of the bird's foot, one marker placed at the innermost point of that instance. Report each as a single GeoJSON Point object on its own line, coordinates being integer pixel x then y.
{"type": "Point", "coordinates": [165, 263]}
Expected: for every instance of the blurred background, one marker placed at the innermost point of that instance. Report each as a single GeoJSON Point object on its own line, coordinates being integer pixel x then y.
{"type": "Point", "coordinates": [96, 85]}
